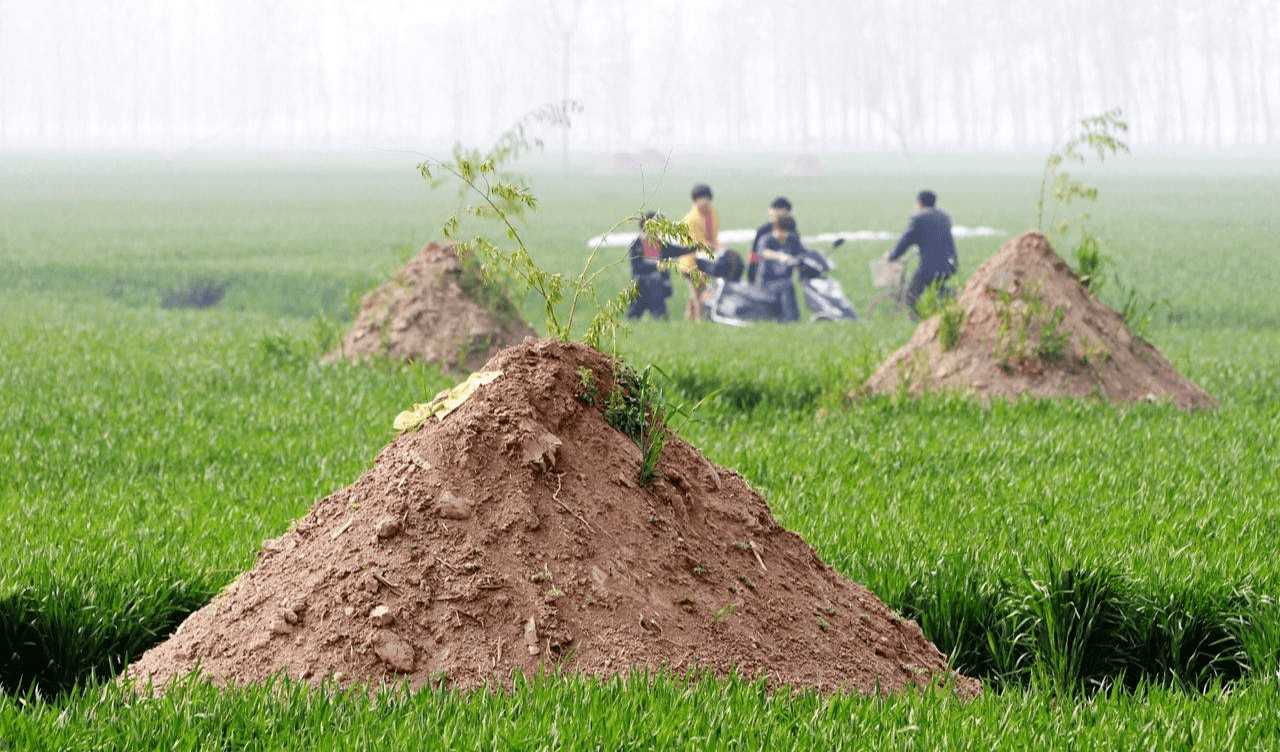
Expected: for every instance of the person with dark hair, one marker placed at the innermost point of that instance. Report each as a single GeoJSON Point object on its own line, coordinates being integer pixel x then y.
{"type": "Point", "coordinates": [703, 222]}
{"type": "Point", "coordinates": [653, 284]}
{"type": "Point", "coordinates": [930, 230]}
{"type": "Point", "coordinates": [779, 254]}
{"type": "Point", "coordinates": [780, 207]}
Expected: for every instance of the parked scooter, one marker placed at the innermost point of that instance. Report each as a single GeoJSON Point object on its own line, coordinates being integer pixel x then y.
{"type": "Point", "coordinates": [823, 296]}
{"type": "Point", "coordinates": [740, 303]}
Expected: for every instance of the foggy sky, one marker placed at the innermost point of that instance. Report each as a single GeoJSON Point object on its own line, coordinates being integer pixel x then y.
{"type": "Point", "coordinates": [813, 75]}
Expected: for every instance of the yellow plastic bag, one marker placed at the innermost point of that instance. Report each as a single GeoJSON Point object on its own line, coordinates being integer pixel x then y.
{"type": "Point", "coordinates": [443, 403]}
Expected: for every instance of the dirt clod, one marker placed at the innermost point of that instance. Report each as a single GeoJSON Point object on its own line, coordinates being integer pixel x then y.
{"type": "Point", "coordinates": [381, 616]}
{"type": "Point", "coordinates": [531, 636]}
{"type": "Point", "coordinates": [395, 651]}
{"type": "Point", "coordinates": [453, 507]}
{"type": "Point", "coordinates": [388, 527]}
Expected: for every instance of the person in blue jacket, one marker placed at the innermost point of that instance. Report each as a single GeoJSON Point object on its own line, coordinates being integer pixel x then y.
{"type": "Point", "coordinates": [780, 208]}
{"type": "Point", "coordinates": [653, 283]}
{"type": "Point", "coordinates": [779, 254]}
{"type": "Point", "coordinates": [930, 230]}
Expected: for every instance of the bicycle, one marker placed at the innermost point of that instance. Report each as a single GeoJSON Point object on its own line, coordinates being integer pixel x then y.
{"type": "Point", "coordinates": [891, 276]}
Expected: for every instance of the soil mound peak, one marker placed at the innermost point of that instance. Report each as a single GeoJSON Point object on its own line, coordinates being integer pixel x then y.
{"type": "Point", "coordinates": [807, 165]}
{"type": "Point", "coordinates": [649, 161]}
{"type": "Point", "coordinates": [438, 310]}
{"type": "Point", "coordinates": [1030, 327]}
{"type": "Point", "coordinates": [513, 533]}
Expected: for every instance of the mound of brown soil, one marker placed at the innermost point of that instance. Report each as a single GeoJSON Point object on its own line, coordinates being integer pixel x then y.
{"type": "Point", "coordinates": [514, 533]}
{"type": "Point", "coordinates": [431, 312]}
{"type": "Point", "coordinates": [1031, 328]}
{"type": "Point", "coordinates": [807, 165]}
{"type": "Point", "coordinates": [649, 161]}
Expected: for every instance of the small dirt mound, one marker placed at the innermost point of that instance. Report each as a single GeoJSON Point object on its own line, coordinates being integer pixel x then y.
{"type": "Point", "coordinates": [437, 310]}
{"type": "Point", "coordinates": [1030, 328]}
{"type": "Point", "coordinates": [807, 165]}
{"type": "Point", "coordinates": [514, 533]}
{"type": "Point", "coordinates": [649, 161]}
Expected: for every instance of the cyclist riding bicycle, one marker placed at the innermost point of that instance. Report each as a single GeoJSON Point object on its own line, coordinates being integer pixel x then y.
{"type": "Point", "coordinates": [930, 229]}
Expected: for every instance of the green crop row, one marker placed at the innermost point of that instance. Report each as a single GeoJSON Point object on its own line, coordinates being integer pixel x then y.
{"type": "Point", "coordinates": [650, 711]}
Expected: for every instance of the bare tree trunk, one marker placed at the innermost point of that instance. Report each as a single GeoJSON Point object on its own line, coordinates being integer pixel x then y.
{"type": "Point", "coordinates": [1212, 115]}
{"type": "Point", "coordinates": [1265, 68]}
{"type": "Point", "coordinates": [621, 89]}
{"type": "Point", "coordinates": [1235, 72]}
{"type": "Point", "coordinates": [1173, 54]}
{"type": "Point", "coordinates": [566, 24]}
{"type": "Point", "coordinates": [566, 38]}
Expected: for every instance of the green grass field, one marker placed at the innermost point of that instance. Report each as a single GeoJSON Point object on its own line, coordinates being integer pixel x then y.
{"type": "Point", "coordinates": [1106, 569]}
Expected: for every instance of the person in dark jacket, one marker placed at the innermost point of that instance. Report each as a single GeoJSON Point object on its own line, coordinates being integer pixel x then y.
{"type": "Point", "coordinates": [779, 254]}
{"type": "Point", "coordinates": [780, 208]}
{"type": "Point", "coordinates": [930, 230]}
{"type": "Point", "coordinates": [653, 283]}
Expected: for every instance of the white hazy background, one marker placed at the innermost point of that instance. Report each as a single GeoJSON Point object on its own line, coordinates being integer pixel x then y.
{"type": "Point", "coordinates": [716, 75]}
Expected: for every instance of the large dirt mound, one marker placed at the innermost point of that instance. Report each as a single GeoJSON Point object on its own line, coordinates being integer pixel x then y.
{"type": "Point", "coordinates": [514, 532]}
{"type": "Point", "coordinates": [434, 311]}
{"type": "Point", "coordinates": [1031, 328]}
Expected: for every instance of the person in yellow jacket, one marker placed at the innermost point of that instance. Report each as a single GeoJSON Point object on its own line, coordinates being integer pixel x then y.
{"type": "Point", "coordinates": [703, 222]}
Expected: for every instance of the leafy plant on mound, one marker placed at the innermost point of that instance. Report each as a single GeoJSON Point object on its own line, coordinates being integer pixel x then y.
{"type": "Point", "coordinates": [936, 300]}
{"type": "Point", "coordinates": [638, 407]}
{"type": "Point", "coordinates": [1028, 331]}
{"type": "Point", "coordinates": [635, 406]}
{"type": "Point", "coordinates": [501, 197]}
{"type": "Point", "coordinates": [1090, 263]}
{"type": "Point", "coordinates": [1099, 134]}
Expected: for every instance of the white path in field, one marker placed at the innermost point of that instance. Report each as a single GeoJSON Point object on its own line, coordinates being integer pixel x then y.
{"type": "Point", "coordinates": [744, 237]}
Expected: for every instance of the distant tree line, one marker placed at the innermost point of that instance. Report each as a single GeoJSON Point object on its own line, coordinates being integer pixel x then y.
{"type": "Point", "coordinates": [812, 75]}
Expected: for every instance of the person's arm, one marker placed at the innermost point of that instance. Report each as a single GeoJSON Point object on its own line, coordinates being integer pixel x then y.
{"type": "Point", "coordinates": [671, 250]}
{"type": "Point", "coordinates": [762, 235]}
{"type": "Point", "coordinates": [775, 251]}
{"type": "Point", "coordinates": [639, 264]}
{"type": "Point", "coordinates": [909, 238]}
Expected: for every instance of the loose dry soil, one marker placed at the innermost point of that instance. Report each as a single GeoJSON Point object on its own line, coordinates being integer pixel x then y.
{"type": "Point", "coordinates": [514, 534]}
{"type": "Point", "coordinates": [425, 314]}
{"type": "Point", "coordinates": [1006, 344]}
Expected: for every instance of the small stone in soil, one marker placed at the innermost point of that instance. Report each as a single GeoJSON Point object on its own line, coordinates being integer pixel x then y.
{"type": "Point", "coordinates": [531, 636]}
{"type": "Point", "coordinates": [381, 616]}
{"type": "Point", "coordinates": [454, 508]}
{"type": "Point", "coordinates": [393, 650]}
{"type": "Point", "coordinates": [388, 527]}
